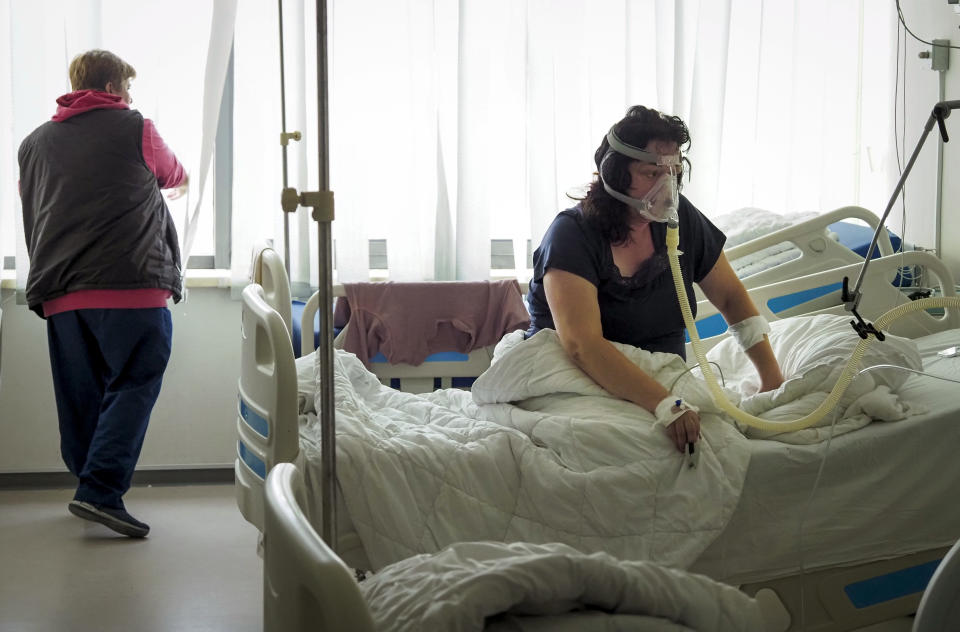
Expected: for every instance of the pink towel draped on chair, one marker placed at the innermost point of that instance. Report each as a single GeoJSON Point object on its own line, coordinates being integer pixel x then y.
{"type": "Point", "coordinates": [409, 321]}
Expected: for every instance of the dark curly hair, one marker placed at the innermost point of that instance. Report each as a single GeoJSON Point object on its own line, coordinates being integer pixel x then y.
{"type": "Point", "coordinates": [640, 126]}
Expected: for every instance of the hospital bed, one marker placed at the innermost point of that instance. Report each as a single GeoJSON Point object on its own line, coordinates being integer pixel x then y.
{"type": "Point", "coordinates": [882, 517]}
{"type": "Point", "coordinates": [813, 245]}
{"type": "Point", "coordinates": [308, 587]}
{"type": "Point", "coordinates": [823, 242]}
{"type": "Point", "coordinates": [834, 583]}
{"type": "Point", "coordinates": [444, 369]}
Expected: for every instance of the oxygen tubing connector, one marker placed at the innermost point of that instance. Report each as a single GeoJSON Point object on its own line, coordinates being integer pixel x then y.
{"type": "Point", "coordinates": [846, 377]}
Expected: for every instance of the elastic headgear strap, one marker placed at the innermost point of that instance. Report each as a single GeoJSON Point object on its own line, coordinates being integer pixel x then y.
{"type": "Point", "coordinates": [630, 151]}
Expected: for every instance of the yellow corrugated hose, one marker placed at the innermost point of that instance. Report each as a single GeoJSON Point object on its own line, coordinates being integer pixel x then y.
{"type": "Point", "coordinates": [849, 371]}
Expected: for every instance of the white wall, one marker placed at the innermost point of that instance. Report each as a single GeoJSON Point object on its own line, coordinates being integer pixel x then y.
{"type": "Point", "coordinates": [934, 19]}
{"type": "Point", "coordinates": [193, 424]}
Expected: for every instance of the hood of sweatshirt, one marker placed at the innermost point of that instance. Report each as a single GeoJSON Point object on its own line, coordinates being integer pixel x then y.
{"type": "Point", "coordinates": [82, 101]}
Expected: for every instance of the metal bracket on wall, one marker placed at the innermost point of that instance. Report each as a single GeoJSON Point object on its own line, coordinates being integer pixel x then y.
{"type": "Point", "coordinates": [940, 59]}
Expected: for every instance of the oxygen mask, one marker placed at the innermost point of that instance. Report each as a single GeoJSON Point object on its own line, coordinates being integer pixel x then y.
{"type": "Point", "coordinates": [662, 200]}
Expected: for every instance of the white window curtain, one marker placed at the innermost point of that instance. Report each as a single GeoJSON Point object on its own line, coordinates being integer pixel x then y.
{"type": "Point", "coordinates": [456, 123]}
{"type": "Point", "coordinates": [180, 50]}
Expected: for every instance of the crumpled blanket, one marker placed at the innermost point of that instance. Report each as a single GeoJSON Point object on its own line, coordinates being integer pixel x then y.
{"type": "Point", "coordinates": [567, 463]}
{"type": "Point", "coordinates": [470, 584]}
{"type": "Point", "coordinates": [813, 351]}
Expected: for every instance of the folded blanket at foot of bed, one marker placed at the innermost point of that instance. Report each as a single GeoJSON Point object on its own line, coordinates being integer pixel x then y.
{"type": "Point", "coordinates": [472, 584]}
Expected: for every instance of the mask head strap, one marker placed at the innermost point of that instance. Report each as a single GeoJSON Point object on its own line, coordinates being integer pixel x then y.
{"type": "Point", "coordinates": [630, 151]}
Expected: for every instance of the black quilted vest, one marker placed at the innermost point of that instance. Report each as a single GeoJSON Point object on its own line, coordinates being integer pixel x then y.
{"type": "Point", "coordinates": [93, 214]}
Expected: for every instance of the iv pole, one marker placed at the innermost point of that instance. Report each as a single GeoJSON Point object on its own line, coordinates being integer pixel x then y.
{"type": "Point", "coordinates": [851, 298]}
{"type": "Point", "coordinates": [285, 138]}
{"type": "Point", "coordinates": [322, 204]}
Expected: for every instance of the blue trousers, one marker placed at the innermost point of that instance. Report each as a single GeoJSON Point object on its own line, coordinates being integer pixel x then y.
{"type": "Point", "coordinates": [107, 368]}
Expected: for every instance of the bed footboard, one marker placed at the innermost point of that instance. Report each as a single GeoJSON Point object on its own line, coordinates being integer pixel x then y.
{"type": "Point", "coordinates": [267, 422]}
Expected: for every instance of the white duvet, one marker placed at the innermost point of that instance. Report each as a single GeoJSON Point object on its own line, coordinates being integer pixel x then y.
{"type": "Point", "coordinates": [566, 463]}
{"type": "Point", "coordinates": [812, 352]}
{"type": "Point", "coordinates": [539, 453]}
{"type": "Point", "coordinates": [520, 586]}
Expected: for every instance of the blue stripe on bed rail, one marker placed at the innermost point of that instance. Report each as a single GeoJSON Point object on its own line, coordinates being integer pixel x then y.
{"type": "Point", "coordinates": [883, 588]}
{"type": "Point", "coordinates": [781, 303]}
{"type": "Point", "coordinates": [252, 460]}
{"type": "Point", "coordinates": [441, 356]}
{"type": "Point", "coordinates": [252, 419]}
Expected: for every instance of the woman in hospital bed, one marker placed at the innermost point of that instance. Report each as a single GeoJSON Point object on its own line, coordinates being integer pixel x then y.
{"type": "Point", "coordinates": [601, 273]}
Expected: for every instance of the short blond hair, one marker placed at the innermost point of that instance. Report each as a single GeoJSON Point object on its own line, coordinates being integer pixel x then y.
{"type": "Point", "coordinates": [94, 69]}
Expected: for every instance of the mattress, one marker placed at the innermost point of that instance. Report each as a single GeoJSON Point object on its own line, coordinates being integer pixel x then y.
{"type": "Point", "coordinates": [886, 490]}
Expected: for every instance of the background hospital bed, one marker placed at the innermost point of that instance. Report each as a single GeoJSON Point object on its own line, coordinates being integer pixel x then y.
{"type": "Point", "coordinates": [833, 602]}
{"type": "Point", "coordinates": [445, 369]}
{"type": "Point", "coordinates": [815, 246]}
{"type": "Point", "coordinates": [824, 242]}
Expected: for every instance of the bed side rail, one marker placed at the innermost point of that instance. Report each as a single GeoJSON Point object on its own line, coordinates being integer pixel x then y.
{"type": "Point", "coordinates": [879, 295]}
{"type": "Point", "coordinates": [267, 422]}
{"type": "Point", "coordinates": [818, 251]}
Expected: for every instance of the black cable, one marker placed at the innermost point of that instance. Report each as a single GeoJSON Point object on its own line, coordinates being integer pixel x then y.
{"type": "Point", "coordinates": [902, 21]}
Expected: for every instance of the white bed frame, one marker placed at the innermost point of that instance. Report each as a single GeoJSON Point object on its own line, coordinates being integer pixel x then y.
{"type": "Point", "coordinates": [268, 423]}
{"type": "Point", "coordinates": [880, 296]}
{"type": "Point", "coordinates": [306, 587]}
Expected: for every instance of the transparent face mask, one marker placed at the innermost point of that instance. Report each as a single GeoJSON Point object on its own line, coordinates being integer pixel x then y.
{"type": "Point", "coordinates": [661, 202]}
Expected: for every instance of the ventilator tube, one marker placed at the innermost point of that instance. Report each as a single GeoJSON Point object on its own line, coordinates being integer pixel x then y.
{"type": "Point", "coordinates": [849, 371]}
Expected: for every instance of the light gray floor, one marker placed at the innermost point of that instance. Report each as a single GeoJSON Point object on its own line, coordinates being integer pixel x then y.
{"type": "Point", "coordinates": [197, 571]}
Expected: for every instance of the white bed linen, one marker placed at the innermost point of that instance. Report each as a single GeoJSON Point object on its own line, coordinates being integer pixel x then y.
{"type": "Point", "coordinates": [900, 470]}
{"type": "Point", "coordinates": [420, 472]}
{"type": "Point", "coordinates": [813, 351]}
{"type": "Point", "coordinates": [458, 588]}
{"type": "Point", "coordinates": [888, 489]}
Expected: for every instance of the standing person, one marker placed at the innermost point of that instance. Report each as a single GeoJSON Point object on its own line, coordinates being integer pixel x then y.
{"type": "Point", "coordinates": [104, 261]}
{"type": "Point", "coordinates": [601, 272]}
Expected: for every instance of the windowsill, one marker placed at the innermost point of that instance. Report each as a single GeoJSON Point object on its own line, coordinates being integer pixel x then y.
{"type": "Point", "coordinates": [219, 278]}
{"type": "Point", "coordinates": [208, 278]}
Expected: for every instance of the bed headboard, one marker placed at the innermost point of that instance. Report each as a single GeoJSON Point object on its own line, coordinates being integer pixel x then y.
{"type": "Point", "coordinates": [267, 421]}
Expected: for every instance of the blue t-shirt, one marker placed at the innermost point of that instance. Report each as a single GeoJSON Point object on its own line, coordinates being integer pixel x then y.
{"type": "Point", "coordinates": [641, 310]}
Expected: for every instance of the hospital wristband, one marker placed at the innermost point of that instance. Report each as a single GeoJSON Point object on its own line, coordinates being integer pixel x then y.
{"type": "Point", "coordinates": [749, 331]}
{"type": "Point", "coordinates": [665, 413]}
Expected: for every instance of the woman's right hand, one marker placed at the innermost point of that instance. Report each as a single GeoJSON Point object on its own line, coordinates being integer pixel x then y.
{"type": "Point", "coordinates": [684, 429]}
